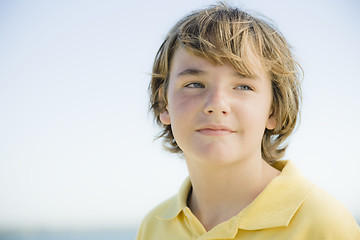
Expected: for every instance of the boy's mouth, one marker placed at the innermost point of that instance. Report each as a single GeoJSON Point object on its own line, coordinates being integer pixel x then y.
{"type": "Point", "coordinates": [215, 130]}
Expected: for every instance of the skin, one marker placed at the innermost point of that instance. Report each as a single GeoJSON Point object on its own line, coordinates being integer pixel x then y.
{"type": "Point", "coordinates": [218, 118]}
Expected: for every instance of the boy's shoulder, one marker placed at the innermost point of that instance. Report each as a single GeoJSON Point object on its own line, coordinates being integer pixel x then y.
{"type": "Point", "coordinates": [298, 206]}
{"type": "Point", "coordinates": [323, 215]}
{"type": "Point", "coordinates": [153, 225]}
{"type": "Point", "coordinates": [156, 222]}
{"type": "Point", "coordinates": [318, 214]}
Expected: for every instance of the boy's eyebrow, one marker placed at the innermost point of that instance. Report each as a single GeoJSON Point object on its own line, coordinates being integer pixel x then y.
{"type": "Point", "coordinates": [190, 71]}
{"type": "Point", "coordinates": [238, 74]}
{"type": "Point", "coordinates": [197, 72]}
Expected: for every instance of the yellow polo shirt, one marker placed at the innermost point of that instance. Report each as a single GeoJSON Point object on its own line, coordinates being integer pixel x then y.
{"type": "Point", "coordinates": [290, 207]}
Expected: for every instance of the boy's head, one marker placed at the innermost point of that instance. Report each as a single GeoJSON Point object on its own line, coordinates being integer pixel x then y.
{"type": "Point", "coordinates": [222, 34]}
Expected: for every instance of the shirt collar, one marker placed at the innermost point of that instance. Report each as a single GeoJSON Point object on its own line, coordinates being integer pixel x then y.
{"type": "Point", "coordinates": [179, 203]}
{"type": "Point", "coordinates": [274, 207]}
{"type": "Point", "coordinates": [280, 200]}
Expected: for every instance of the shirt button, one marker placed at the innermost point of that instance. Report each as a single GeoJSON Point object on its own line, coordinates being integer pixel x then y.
{"type": "Point", "coordinates": [186, 212]}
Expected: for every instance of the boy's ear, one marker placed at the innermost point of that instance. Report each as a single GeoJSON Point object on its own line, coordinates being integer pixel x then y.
{"type": "Point", "coordinates": [165, 117]}
{"type": "Point", "coordinates": [271, 122]}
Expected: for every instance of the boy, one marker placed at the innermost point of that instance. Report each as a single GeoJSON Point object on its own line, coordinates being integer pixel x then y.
{"type": "Point", "coordinates": [226, 90]}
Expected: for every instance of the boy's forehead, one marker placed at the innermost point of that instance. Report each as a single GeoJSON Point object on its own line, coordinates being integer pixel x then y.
{"type": "Point", "coordinates": [184, 58]}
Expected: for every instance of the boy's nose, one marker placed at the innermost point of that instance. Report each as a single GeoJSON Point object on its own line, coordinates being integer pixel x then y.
{"type": "Point", "coordinates": [216, 103]}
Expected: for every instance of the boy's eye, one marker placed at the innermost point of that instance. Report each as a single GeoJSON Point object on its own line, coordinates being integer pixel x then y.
{"type": "Point", "coordinates": [244, 87]}
{"type": "Point", "coordinates": [194, 85]}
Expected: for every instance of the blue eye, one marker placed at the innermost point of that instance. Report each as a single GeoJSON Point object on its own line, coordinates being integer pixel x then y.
{"type": "Point", "coordinates": [194, 85]}
{"type": "Point", "coordinates": [244, 87]}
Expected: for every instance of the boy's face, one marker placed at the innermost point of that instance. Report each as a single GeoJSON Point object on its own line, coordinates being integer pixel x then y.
{"type": "Point", "coordinates": [216, 114]}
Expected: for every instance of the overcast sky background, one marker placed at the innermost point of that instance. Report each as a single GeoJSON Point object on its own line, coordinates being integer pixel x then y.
{"type": "Point", "coordinates": [76, 140]}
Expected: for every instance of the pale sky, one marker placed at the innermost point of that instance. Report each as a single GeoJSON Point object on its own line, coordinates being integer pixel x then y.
{"type": "Point", "coordinates": [76, 140]}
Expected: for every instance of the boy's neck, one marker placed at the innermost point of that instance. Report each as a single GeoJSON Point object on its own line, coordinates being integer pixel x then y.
{"type": "Point", "coordinates": [219, 193]}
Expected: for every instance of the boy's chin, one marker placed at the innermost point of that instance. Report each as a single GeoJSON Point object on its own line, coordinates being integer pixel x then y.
{"type": "Point", "coordinates": [215, 157]}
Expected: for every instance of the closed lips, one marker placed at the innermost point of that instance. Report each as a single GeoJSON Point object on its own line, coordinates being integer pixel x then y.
{"type": "Point", "coordinates": [215, 130]}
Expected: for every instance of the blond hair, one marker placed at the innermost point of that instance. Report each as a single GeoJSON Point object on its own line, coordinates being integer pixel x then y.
{"type": "Point", "coordinates": [222, 33]}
